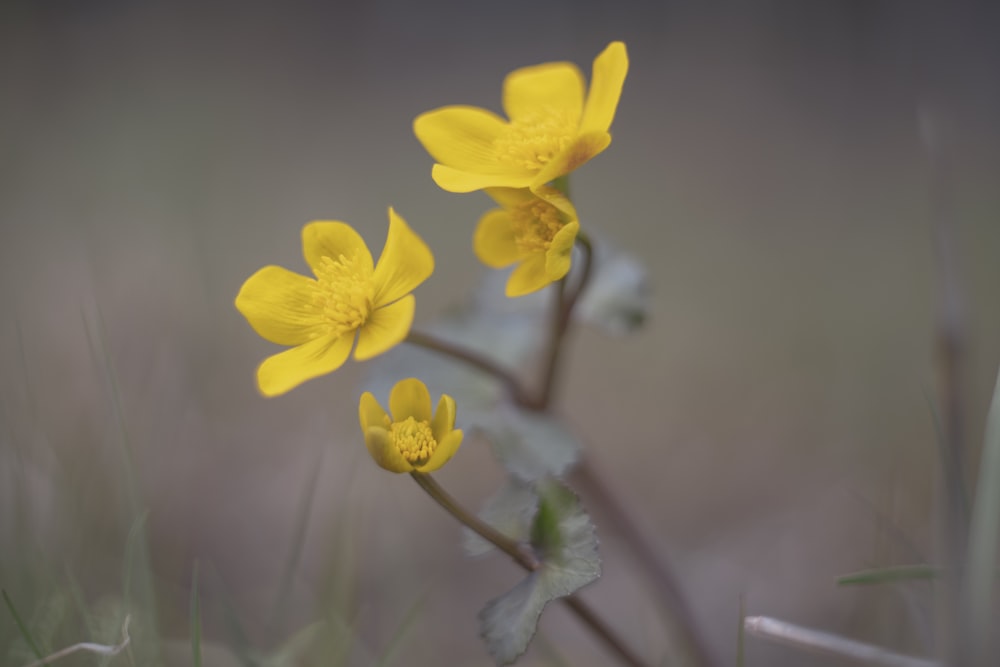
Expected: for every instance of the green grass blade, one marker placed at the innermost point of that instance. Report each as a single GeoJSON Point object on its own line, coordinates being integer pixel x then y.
{"type": "Point", "coordinates": [136, 535]}
{"type": "Point", "coordinates": [239, 641]}
{"type": "Point", "coordinates": [21, 626]}
{"type": "Point", "coordinates": [195, 613]}
{"type": "Point", "coordinates": [299, 533]}
{"type": "Point", "coordinates": [895, 573]}
{"type": "Point", "coordinates": [396, 641]}
{"type": "Point", "coordinates": [741, 633]}
{"type": "Point", "coordinates": [985, 529]}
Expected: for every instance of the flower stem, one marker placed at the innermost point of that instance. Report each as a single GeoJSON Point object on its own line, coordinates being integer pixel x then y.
{"type": "Point", "coordinates": [472, 358]}
{"type": "Point", "coordinates": [663, 579]}
{"type": "Point", "coordinates": [566, 301]}
{"type": "Point", "coordinates": [526, 559]}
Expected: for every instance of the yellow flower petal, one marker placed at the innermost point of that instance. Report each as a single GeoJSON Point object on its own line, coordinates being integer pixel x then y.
{"type": "Point", "coordinates": [606, 82]}
{"type": "Point", "coordinates": [410, 398]}
{"type": "Point", "coordinates": [385, 453]}
{"type": "Point", "coordinates": [444, 418]}
{"type": "Point", "coordinates": [326, 238]}
{"type": "Point", "coordinates": [582, 149]}
{"type": "Point", "coordinates": [286, 370]}
{"type": "Point", "coordinates": [462, 137]}
{"type": "Point", "coordinates": [559, 256]}
{"type": "Point", "coordinates": [442, 454]}
{"type": "Point", "coordinates": [528, 276]}
{"type": "Point", "coordinates": [279, 306]}
{"type": "Point", "coordinates": [550, 87]}
{"type": "Point", "coordinates": [406, 262]}
{"type": "Point", "coordinates": [456, 180]}
{"type": "Point", "coordinates": [493, 241]}
{"type": "Point", "coordinates": [370, 413]}
{"type": "Point", "coordinates": [385, 328]}
{"type": "Point", "coordinates": [510, 197]}
{"type": "Point", "coordinates": [554, 197]}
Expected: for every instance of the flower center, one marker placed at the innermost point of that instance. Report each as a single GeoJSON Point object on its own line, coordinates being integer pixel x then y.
{"type": "Point", "coordinates": [535, 223]}
{"type": "Point", "coordinates": [414, 440]}
{"type": "Point", "coordinates": [532, 140]}
{"type": "Point", "coordinates": [344, 293]}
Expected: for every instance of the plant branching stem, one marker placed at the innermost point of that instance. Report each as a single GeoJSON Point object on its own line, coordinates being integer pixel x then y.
{"type": "Point", "coordinates": [472, 358]}
{"type": "Point", "coordinates": [526, 559]}
{"type": "Point", "coordinates": [668, 589]}
{"type": "Point", "coordinates": [566, 301]}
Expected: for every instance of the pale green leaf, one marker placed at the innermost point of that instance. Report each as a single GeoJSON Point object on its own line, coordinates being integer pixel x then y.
{"type": "Point", "coordinates": [566, 541]}
{"type": "Point", "coordinates": [531, 445]}
{"type": "Point", "coordinates": [510, 511]}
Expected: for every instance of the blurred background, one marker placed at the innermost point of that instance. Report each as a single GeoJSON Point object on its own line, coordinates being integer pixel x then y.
{"type": "Point", "coordinates": [771, 425]}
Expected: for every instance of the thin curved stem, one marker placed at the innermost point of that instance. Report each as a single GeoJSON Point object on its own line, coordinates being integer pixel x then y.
{"type": "Point", "coordinates": [474, 359]}
{"type": "Point", "coordinates": [663, 579]}
{"type": "Point", "coordinates": [566, 301]}
{"type": "Point", "coordinates": [527, 560]}
{"type": "Point", "coordinates": [522, 556]}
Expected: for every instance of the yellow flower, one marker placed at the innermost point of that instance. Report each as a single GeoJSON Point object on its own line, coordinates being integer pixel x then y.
{"type": "Point", "coordinates": [319, 316]}
{"type": "Point", "coordinates": [412, 439]}
{"type": "Point", "coordinates": [551, 130]}
{"type": "Point", "coordinates": [537, 232]}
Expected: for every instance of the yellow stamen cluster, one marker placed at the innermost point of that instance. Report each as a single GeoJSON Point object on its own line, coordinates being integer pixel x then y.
{"type": "Point", "coordinates": [535, 224]}
{"type": "Point", "coordinates": [531, 141]}
{"type": "Point", "coordinates": [344, 293]}
{"type": "Point", "coordinates": [414, 440]}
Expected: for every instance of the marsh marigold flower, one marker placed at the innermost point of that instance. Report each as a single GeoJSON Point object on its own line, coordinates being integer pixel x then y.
{"type": "Point", "coordinates": [535, 232]}
{"type": "Point", "coordinates": [552, 129]}
{"type": "Point", "coordinates": [348, 298]}
{"type": "Point", "coordinates": [411, 439]}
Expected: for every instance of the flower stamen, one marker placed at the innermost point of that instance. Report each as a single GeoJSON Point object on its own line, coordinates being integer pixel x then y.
{"type": "Point", "coordinates": [414, 440]}
{"type": "Point", "coordinates": [531, 141]}
{"type": "Point", "coordinates": [344, 294]}
{"type": "Point", "coordinates": [535, 223]}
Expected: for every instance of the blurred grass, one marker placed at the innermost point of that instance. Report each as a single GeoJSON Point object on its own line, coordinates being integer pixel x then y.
{"type": "Point", "coordinates": [764, 166]}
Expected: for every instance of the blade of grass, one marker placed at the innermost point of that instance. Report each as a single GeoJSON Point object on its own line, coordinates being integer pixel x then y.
{"type": "Point", "coordinates": [109, 651]}
{"type": "Point", "coordinates": [299, 534]}
{"type": "Point", "coordinates": [984, 531]}
{"type": "Point", "coordinates": [21, 626]}
{"type": "Point", "coordinates": [138, 566]}
{"type": "Point", "coordinates": [195, 614]}
{"type": "Point", "coordinates": [741, 633]}
{"type": "Point", "coordinates": [394, 643]}
{"type": "Point", "coordinates": [825, 642]}
{"type": "Point", "coordinates": [135, 535]}
{"type": "Point", "coordinates": [891, 574]}
{"type": "Point", "coordinates": [239, 641]}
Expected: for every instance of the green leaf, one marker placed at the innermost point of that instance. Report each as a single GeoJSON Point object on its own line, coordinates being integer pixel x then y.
{"type": "Point", "coordinates": [895, 573]}
{"type": "Point", "coordinates": [566, 541]}
{"type": "Point", "coordinates": [510, 511]}
{"type": "Point", "coordinates": [530, 445]}
{"type": "Point", "coordinates": [616, 300]}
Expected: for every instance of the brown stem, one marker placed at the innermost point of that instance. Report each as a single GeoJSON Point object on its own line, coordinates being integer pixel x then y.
{"type": "Point", "coordinates": [668, 589]}
{"type": "Point", "coordinates": [472, 358]}
{"type": "Point", "coordinates": [527, 560]}
{"type": "Point", "coordinates": [512, 548]}
{"type": "Point", "coordinates": [565, 303]}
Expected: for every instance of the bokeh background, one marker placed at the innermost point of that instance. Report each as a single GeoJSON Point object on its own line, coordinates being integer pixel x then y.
{"type": "Point", "coordinates": [770, 426]}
